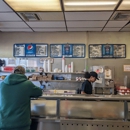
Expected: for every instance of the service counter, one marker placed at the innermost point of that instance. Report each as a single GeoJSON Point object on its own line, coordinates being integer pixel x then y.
{"type": "Point", "coordinates": [92, 112]}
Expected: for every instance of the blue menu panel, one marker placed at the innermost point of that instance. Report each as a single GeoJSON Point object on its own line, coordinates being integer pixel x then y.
{"type": "Point", "coordinates": [107, 50]}
{"type": "Point", "coordinates": [30, 49]}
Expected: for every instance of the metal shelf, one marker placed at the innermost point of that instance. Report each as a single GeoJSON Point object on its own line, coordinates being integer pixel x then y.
{"type": "Point", "coordinates": [63, 81]}
{"type": "Point", "coordinates": [50, 72]}
{"type": "Point", "coordinates": [25, 72]}
{"type": "Point", "coordinates": [64, 73]}
{"type": "Point", "coordinates": [59, 81]}
{"type": "Point", "coordinates": [5, 72]}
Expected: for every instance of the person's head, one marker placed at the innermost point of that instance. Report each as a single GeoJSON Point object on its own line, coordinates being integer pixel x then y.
{"type": "Point", "coordinates": [92, 76]}
{"type": "Point", "coordinates": [19, 70]}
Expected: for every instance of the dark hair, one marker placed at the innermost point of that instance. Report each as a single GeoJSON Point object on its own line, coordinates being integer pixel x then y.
{"type": "Point", "coordinates": [92, 73]}
{"type": "Point", "coordinates": [87, 75]}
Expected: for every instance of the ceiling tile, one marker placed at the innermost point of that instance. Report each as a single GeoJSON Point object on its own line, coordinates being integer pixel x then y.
{"type": "Point", "coordinates": [9, 17]}
{"type": "Point", "coordinates": [84, 29]}
{"type": "Point", "coordinates": [16, 30]}
{"type": "Point", "coordinates": [49, 29]}
{"type": "Point", "coordinates": [82, 5]}
{"type": "Point", "coordinates": [4, 7]}
{"type": "Point", "coordinates": [111, 29]}
{"type": "Point", "coordinates": [125, 30]}
{"type": "Point", "coordinates": [127, 26]}
{"type": "Point", "coordinates": [43, 16]}
{"type": "Point", "coordinates": [125, 5]}
{"type": "Point", "coordinates": [121, 16]}
{"type": "Point", "coordinates": [46, 24]}
{"type": "Point", "coordinates": [13, 25]}
{"type": "Point", "coordinates": [51, 16]}
{"type": "Point", "coordinates": [116, 23]}
{"type": "Point", "coordinates": [87, 15]}
{"type": "Point", "coordinates": [86, 23]}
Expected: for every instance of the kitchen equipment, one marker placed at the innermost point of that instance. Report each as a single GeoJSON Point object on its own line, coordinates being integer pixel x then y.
{"type": "Point", "coordinates": [105, 84]}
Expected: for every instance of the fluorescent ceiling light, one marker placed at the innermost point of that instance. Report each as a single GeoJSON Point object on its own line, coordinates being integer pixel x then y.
{"type": "Point", "coordinates": [86, 5]}
{"type": "Point", "coordinates": [34, 5]}
{"type": "Point", "coordinates": [89, 3]}
{"type": "Point", "coordinates": [126, 2]}
{"type": "Point", "coordinates": [125, 5]}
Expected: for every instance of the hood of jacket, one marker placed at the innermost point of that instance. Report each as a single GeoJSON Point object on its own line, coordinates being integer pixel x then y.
{"type": "Point", "coordinates": [15, 79]}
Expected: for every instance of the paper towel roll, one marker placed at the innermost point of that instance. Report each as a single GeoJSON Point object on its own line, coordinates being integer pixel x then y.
{"type": "Point", "coordinates": [49, 66]}
{"type": "Point", "coordinates": [66, 68]}
{"type": "Point", "coordinates": [69, 68]}
{"type": "Point", "coordinates": [63, 64]}
{"type": "Point", "coordinates": [44, 66]}
{"type": "Point", "coordinates": [72, 67]}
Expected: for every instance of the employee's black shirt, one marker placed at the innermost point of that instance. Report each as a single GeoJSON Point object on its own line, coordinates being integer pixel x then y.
{"type": "Point", "coordinates": [87, 87]}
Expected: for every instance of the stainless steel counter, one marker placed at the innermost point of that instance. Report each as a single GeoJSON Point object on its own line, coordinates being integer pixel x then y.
{"type": "Point", "coordinates": [76, 124]}
{"type": "Point", "coordinates": [68, 111]}
{"type": "Point", "coordinates": [86, 97]}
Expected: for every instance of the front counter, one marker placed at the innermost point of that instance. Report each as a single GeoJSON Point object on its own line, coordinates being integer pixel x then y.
{"type": "Point", "coordinates": [92, 112]}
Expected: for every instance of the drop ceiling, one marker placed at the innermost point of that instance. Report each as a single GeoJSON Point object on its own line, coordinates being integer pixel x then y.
{"type": "Point", "coordinates": [64, 15]}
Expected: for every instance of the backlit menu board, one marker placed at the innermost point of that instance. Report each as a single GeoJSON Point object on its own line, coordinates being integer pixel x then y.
{"type": "Point", "coordinates": [78, 50]}
{"type": "Point", "coordinates": [19, 50]}
{"type": "Point", "coordinates": [120, 51]}
{"type": "Point", "coordinates": [30, 50]}
{"type": "Point", "coordinates": [67, 50]}
{"type": "Point", "coordinates": [95, 51]}
{"type": "Point", "coordinates": [56, 50]}
{"type": "Point", "coordinates": [107, 51]}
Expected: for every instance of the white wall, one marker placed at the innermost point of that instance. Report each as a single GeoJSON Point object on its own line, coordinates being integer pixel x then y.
{"type": "Point", "coordinates": [8, 39]}
{"type": "Point", "coordinates": [111, 37]}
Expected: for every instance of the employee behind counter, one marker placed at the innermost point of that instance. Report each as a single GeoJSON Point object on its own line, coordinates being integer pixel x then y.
{"type": "Point", "coordinates": [87, 84]}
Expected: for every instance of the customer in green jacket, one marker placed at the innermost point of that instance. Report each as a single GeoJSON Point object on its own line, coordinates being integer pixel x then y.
{"type": "Point", "coordinates": [15, 94]}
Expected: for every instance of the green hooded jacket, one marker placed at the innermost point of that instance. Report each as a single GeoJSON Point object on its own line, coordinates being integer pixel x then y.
{"type": "Point", "coordinates": [15, 93]}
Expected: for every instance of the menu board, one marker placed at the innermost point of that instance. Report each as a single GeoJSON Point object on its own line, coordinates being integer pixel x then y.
{"type": "Point", "coordinates": [67, 50]}
{"type": "Point", "coordinates": [120, 51]}
{"type": "Point", "coordinates": [30, 50]}
{"type": "Point", "coordinates": [56, 50]}
{"type": "Point", "coordinates": [78, 51]}
{"type": "Point", "coordinates": [41, 50]}
{"type": "Point", "coordinates": [19, 50]}
{"type": "Point", "coordinates": [95, 51]}
{"type": "Point", "coordinates": [107, 51]}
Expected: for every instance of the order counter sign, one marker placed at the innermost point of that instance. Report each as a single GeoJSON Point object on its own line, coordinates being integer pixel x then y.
{"type": "Point", "coordinates": [127, 68]}
{"type": "Point", "coordinates": [19, 50]}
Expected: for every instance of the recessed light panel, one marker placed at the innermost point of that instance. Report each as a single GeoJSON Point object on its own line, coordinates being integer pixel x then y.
{"type": "Point", "coordinates": [34, 5]}
{"type": "Point", "coordinates": [82, 5]}
{"type": "Point", "coordinates": [125, 5]}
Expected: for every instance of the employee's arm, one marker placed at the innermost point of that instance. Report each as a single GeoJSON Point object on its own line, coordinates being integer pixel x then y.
{"type": "Point", "coordinates": [34, 90]}
{"type": "Point", "coordinates": [82, 92]}
{"type": "Point", "coordinates": [83, 88]}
